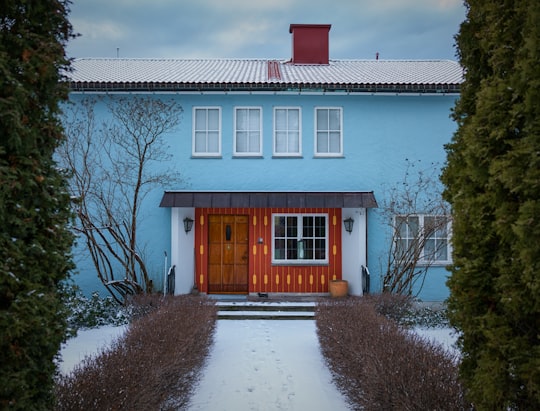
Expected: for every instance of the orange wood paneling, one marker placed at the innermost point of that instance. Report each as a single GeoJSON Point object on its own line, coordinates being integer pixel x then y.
{"type": "Point", "coordinates": [262, 275]}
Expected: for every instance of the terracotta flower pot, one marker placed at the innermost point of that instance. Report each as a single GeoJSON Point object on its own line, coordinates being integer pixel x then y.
{"type": "Point", "coordinates": [338, 288]}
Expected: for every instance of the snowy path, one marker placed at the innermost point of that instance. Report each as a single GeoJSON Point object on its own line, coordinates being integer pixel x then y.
{"type": "Point", "coordinates": [266, 365]}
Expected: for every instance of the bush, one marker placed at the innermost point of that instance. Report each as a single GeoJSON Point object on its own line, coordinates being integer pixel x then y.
{"type": "Point", "coordinates": [153, 366]}
{"type": "Point", "coordinates": [382, 366]}
{"type": "Point", "coordinates": [92, 312]}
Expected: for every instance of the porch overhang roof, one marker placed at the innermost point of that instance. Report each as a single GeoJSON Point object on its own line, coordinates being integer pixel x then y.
{"type": "Point", "coordinates": [269, 199]}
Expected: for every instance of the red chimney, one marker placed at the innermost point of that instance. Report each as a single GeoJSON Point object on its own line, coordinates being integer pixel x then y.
{"type": "Point", "coordinates": [310, 43]}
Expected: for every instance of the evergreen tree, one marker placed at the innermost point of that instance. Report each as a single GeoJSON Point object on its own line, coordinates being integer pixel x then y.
{"type": "Point", "coordinates": [35, 241]}
{"type": "Point", "coordinates": [492, 181]}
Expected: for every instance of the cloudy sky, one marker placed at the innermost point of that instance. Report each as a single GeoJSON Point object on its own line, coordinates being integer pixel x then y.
{"type": "Point", "coordinates": [396, 29]}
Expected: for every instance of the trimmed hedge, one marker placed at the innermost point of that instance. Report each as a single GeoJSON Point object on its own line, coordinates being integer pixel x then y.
{"type": "Point", "coordinates": [380, 365]}
{"type": "Point", "coordinates": [153, 366]}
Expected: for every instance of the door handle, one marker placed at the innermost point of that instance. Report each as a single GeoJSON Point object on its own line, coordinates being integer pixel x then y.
{"type": "Point", "coordinates": [228, 232]}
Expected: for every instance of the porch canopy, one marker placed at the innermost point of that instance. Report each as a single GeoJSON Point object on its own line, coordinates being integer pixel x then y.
{"type": "Point", "coordinates": [268, 199]}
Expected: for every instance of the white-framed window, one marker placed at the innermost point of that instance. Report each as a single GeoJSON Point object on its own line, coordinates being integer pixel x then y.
{"type": "Point", "coordinates": [287, 131]}
{"type": "Point", "coordinates": [248, 131]}
{"type": "Point", "coordinates": [427, 235]}
{"type": "Point", "coordinates": [328, 131]}
{"type": "Point", "coordinates": [300, 238]}
{"type": "Point", "coordinates": [206, 131]}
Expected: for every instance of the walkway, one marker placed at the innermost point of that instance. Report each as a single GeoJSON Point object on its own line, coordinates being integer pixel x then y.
{"type": "Point", "coordinates": [266, 364]}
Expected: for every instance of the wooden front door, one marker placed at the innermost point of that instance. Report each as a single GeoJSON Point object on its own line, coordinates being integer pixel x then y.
{"type": "Point", "coordinates": [228, 254]}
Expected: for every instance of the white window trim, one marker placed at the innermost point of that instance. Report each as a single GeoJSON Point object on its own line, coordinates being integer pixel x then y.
{"type": "Point", "coordinates": [279, 154]}
{"type": "Point", "coordinates": [316, 153]}
{"type": "Point", "coordinates": [205, 154]}
{"type": "Point", "coordinates": [421, 260]}
{"type": "Point", "coordinates": [251, 153]}
{"type": "Point", "coordinates": [299, 237]}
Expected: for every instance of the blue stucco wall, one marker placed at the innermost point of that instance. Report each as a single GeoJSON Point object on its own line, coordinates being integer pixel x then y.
{"type": "Point", "coordinates": [380, 133]}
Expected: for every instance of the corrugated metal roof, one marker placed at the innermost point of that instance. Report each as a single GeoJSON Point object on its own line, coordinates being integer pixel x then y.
{"type": "Point", "coordinates": [245, 73]}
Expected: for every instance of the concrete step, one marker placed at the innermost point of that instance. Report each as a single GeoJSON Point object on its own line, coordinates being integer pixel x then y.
{"type": "Point", "coordinates": [248, 310]}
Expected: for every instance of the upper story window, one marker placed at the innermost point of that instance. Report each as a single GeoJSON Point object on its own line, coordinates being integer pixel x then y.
{"type": "Point", "coordinates": [206, 131]}
{"type": "Point", "coordinates": [328, 132]}
{"type": "Point", "coordinates": [426, 236]}
{"type": "Point", "coordinates": [300, 238]}
{"type": "Point", "coordinates": [248, 131]}
{"type": "Point", "coordinates": [287, 131]}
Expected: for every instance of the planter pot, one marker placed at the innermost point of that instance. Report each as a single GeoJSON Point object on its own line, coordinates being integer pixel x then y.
{"type": "Point", "coordinates": [338, 288]}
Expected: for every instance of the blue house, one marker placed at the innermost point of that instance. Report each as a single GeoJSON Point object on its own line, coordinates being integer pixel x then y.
{"type": "Point", "coordinates": [285, 164]}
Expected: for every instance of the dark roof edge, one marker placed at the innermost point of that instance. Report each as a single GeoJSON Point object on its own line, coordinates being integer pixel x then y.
{"type": "Point", "coordinates": [268, 87]}
{"type": "Point", "coordinates": [250, 199]}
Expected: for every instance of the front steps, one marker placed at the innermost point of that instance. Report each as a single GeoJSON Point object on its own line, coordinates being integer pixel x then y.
{"type": "Point", "coordinates": [265, 310]}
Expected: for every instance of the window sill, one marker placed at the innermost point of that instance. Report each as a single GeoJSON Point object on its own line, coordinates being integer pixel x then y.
{"type": "Point", "coordinates": [442, 264]}
{"type": "Point", "coordinates": [300, 263]}
{"type": "Point", "coordinates": [207, 157]}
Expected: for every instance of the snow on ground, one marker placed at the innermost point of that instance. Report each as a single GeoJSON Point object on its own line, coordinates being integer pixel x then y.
{"type": "Point", "coordinates": [266, 365]}
{"type": "Point", "coordinates": [87, 343]}
{"type": "Point", "coordinates": [445, 336]}
{"type": "Point", "coordinates": [253, 365]}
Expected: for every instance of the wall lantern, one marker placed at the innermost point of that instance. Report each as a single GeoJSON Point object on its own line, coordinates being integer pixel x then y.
{"type": "Point", "coordinates": [188, 224]}
{"type": "Point", "coordinates": [349, 222]}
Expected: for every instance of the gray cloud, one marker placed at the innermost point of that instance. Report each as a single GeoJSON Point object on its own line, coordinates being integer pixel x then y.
{"type": "Point", "coordinates": [247, 29]}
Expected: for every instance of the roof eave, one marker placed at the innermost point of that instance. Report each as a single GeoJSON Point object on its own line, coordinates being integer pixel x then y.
{"type": "Point", "coordinates": [87, 86]}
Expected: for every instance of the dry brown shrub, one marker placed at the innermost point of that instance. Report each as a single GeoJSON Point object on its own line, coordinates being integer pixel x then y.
{"type": "Point", "coordinates": [152, 367]}
{"type": "Point", "coordinates": [382, 366]}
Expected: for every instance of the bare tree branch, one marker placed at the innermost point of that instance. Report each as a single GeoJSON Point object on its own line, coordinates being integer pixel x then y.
{"type": "Point", "coordinates": [414, 247]}
{"type": "Point", "coordinates": [113, 166]}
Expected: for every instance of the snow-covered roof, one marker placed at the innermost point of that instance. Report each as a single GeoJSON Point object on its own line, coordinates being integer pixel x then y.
{"type": "Point", "coordinates": [259, 74]}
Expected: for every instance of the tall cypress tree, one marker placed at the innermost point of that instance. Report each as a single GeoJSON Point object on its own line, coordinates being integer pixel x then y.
{"type": "Point", "coordinates": [35, 242]}
{"type": "Point", "coordinates": [492, 181]}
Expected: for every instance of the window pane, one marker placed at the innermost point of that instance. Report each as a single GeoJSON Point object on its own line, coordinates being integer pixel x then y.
{"type": "Point", "coordinates": [320, 226]}
{"type": "Point", "coordinates": [402, 246]}
{"type": "Point", "coordinates": [279, 249]}
{"type": "Point", "coordinates": [413, 223]}
{"type": "Point", "coordinates": [308, 249]}
{"type": "Point", "coordinates": [320, 249]}
{"type": "Point", "coordinates": [308, 227]}
{"type": "Point", "coordinates": [334, 143]}
{"type": "Point", "coordinates": [213, 119]}
{"type": "Point", "coordinates": [200, 119]}
{"type": "Point", "coordinates": [292, 251]}
{"type": "Point", "coordinates": [442, 223]}
{"type": "Point", "coordinates": [254, 119]}
{"type": "Point", "coordinates": [292, 227]}
{"type": "Point", "coordinates": [294, 119]}
{"type": "Point", "coordinates": [213, 142]}
{"type": "Point", "coordinates": [241, 119]}
{"type": "Point", "coordinates": [200, 142]}
{"type": "Point", "coordinates": [254, 142]}
{"type": "Point", "coordinates": [402, 227]}
{"type": "Point", "coordinates": [241, 142]}
{"type": "Point", "coordinates": [281, 119]}
{"type": "Point", "coordinates": [322, 119]}
{"type": "Point", "coordinates": [294, 142]}
{"type": "Point", "coordinates": [322, 142]}
{"type": "Point", "coordinates": [334, 123]}
{"type": "Point", "coordinates": [279, 226]}
{"type": "Point", "coordinates": [442, 251]}
{"type": "Point", "coordinates": [281, 142]}
{"type": "Point", "coordinates": [429, 250]}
